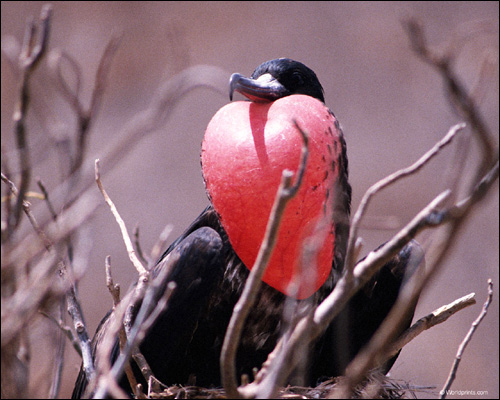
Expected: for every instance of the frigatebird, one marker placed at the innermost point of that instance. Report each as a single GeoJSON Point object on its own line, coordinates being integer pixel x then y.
{"type": "Point", "coordinates": [246, 147]}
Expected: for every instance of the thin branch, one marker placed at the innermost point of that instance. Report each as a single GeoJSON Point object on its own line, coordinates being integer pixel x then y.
{"type": "Point", "coordinates": [161, 107]}
{"type": "Point", "coordinates": [434, 318]}
{"type": "Point", "coordinates": [450, 223]}
{"type": "Point", "coordinates": [69, 220]}
{"type": "Point", "coordinates": [451, 219]}
{"type": "Point", "coordinates": [285, 193]}
{"type": "Point", "coordinates": [46, 198]}
{"type": "Point", "coordinates": [463, 103]}
{"type": "Point", "coordinates": [86, 116]}
{"type": "Point", "coordinates": [391, 179]}
{"type": "Point", "coordinates": [73, 305]}
{"type": "Point", "coordinates": [29, 59]}
{"type": "Point", "coordinates": [56, 60]}
{"type": "Point", "coordinates": [107, 376]}
{"type": "Point", "coordinates": [66, 330]}
{"type": "Point", "coordinates": [465, 342]}
{"type": "Point", "coordinates": [159, 245]}
{"type": "Point", "coordinates": [134, 332]}
{"type": "Point", "coordinates": [143, 257]}
{"type": "Point", "coordinates": [126, 238]}
{"type": "Point", "coordinates": [114, 289]}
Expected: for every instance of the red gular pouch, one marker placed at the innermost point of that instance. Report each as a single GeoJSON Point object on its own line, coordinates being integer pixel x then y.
{"type": "Point", "coordinates": [247, 146]}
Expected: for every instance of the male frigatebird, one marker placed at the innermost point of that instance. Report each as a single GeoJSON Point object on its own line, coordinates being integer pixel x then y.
{"type": "Point", "coordinates": [246, 147]}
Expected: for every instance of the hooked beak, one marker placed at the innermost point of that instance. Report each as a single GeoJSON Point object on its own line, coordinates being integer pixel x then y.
{"type": "Point", "coordinates": [261, 90]}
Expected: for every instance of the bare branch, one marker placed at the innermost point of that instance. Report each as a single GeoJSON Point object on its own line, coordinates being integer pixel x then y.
{"type": "Point", "coordinates": [66, 330]}
{"type": "Point", "coordinates": [463, 103]}
{"type": "Point", "coordinates": [434, 318]}
{"type": "Point", "coordinates": [465, 342]}
{"type": "Point", "coordinates": [286, 192]}
{"type": "Point", "coordinates": [114, 289]}
{"type": "Point", "coordinates": [143, 257]}
{"type": "Point", "coordinates": [46, 198]}
{"type": "Point", "coordinates": [29, 59]}
{"type": "Point", "coordinates": [43, 289]}
{"type": "Point", "coordinates": [126, 238]}
{"type": "Point", "coordinates": [159, 245]}
{"type": "Point", "coordinates": [107, 376]}
{"type": "Point", "coordinates": [374, 189]}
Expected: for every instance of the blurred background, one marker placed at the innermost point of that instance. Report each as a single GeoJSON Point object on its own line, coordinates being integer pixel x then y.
{"type": "Point", "coordinates": [391, 105]}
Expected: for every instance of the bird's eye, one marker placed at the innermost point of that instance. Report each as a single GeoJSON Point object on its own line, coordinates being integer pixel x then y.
{"type": "Point", "coordinates": [297, 79]}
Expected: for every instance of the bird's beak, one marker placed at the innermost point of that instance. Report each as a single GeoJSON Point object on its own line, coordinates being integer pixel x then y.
{"type": "Point", "coordinates": [261, 90]}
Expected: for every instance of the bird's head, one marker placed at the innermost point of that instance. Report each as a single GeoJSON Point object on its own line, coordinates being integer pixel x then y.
{"type": "Point", "coordinates": [275, 79]}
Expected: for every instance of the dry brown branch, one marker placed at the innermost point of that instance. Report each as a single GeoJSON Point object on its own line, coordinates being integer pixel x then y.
{"type": "Point", "coordinates": [160, 245]}
{"type": "Point", "coordinates": [46, 198]}
{"type": "Point", "coordinates": [462, 101]}
{"type": "Point", "coordinates": [66, 330]}
{"type": "Point", "coordinates": [68, 221]}
{"type": "Point", "coordinates": [38, 258]}
{"type": "Point", "coordinates": [310, 327]}
{"type": "Point", "coordinates": [465, 342]}
{"type": "Point", "coordinates": [40, 288]}
{"type": "Point", "coordinates": [126, 238]}
{"type": "Point", "coordinates": [114, 289]}
{"type": "Point", "coordinates": [434, 318]}
{"type": "Point", "coordinates": [29, 58]}
{"type": "Point", "coordinates": [285, 193]}
{"type": "Point", "coordinates": [107, 376]}
{"type": "Point", "coordinates": [85, 115]}
{"type": "Point", "coordinates": [391, 179]}
{"type": "Point", "coordinates": [143, 257]}
{"type": "Point", "coordinates": [130, 333]}
{"type": "Point", "coordinates": [142, 282]}
{"type": "Point", "coordinates": [137, 128]}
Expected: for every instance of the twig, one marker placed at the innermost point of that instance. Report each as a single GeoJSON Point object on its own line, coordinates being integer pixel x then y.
{"type": "Point", "coordinates": [46, 198]}
{"type": "Point", "coordinates": [29, 59]}
{"type": "Point", "coordinates": [58, 355]}
{"type": "Point", "coordinates": [452, 218]}
{"type": "Point", "coordinates": [134, 332]}
{"type": "Point", "coordinates": [463, 103]}
{"type": "Point", "coordinates": [69, 220]}
{"type": "Point", "coordinates": [285, 192]}
{"type": "Point", "coordinates": [144, 258]}
{"type": "Point", "coordinates": [126, 238]}
{"type": "Point", "coordinates": [73, 306]}
{"type": "Point", "coordinates": [374, 189]}
{"type": "Point", "coordinates": [161, 107]}
{"type": "Point", "coordinates": [465, 342]}
{"type": "Point", "coordinates": [66, 330]}
{"type": "Point", "coordinates": [159, 245]}
{"type": "Point", "coordinates": [372, 354]}
{"type": "Point", "coordinates": [434, 318]}
{"type": "Point", "coordinates": [86, 116]}
{"type": "Point", "coordinates": [114, 289]}
{"type": "Point", "coordinates": [107, 375]}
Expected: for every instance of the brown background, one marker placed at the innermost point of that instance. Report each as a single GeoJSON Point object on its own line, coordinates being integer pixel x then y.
{"type": "Point", "coordinates": [390, 104]}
